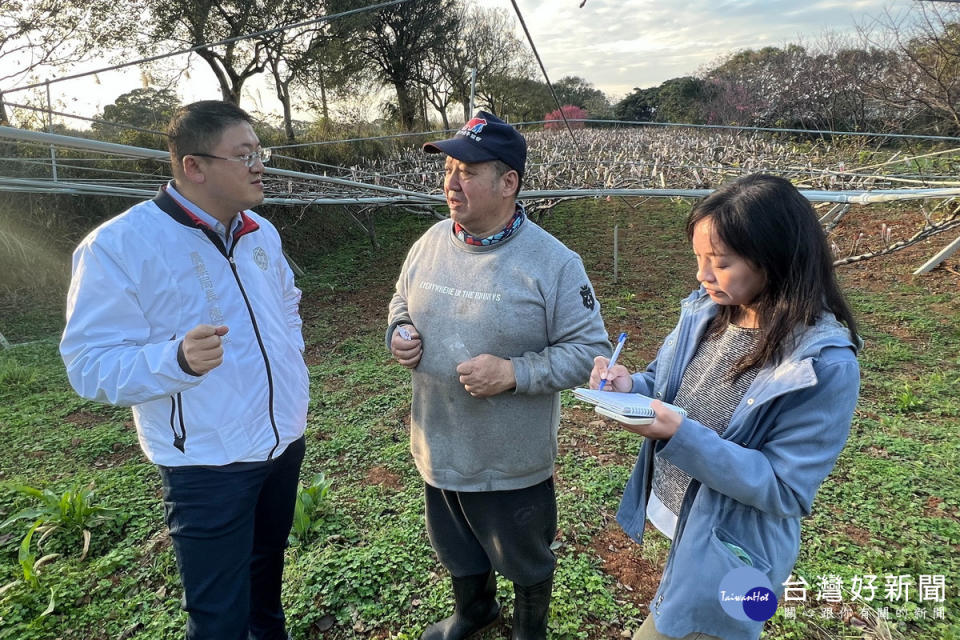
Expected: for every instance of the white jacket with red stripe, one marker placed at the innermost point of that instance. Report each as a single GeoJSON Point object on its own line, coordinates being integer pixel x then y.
{"type": "Point", "coordinates": [141, 281]}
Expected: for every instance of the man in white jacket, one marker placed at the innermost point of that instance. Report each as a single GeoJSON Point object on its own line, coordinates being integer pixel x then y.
{"type": "Point", "coordinates": [184, 308]}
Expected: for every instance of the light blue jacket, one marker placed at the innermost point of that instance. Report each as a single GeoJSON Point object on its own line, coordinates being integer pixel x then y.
{"type": "Point", "coordinates": [752, 485]}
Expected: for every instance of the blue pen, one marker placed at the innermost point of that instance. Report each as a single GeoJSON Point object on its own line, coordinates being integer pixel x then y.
{"type": "Point", "coordinates": [613, 358]}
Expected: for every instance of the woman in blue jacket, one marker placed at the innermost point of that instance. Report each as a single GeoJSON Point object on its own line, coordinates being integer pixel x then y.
{"type": "Point", "coordinates": [763, 360]}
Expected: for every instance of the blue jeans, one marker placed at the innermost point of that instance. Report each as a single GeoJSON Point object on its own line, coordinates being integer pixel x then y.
{"type": "Point", "coordinates": [229, 527]}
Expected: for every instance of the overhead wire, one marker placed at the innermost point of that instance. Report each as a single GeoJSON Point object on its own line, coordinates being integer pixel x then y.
{"type": "Point", "coordinates": [392, 195]}
{"type": "Point", "coordinates": [602, 122]}
{"type": "Point", "coordinates": [840, 173]}
{"type": "Point", "coordinates": [644, 123]}
{"type": "Point", "coordinates": [410, 176]}
{"type": "Point", "coordinates": [62, 165]}
{"type": "Point", "coordinates": [546, 77]}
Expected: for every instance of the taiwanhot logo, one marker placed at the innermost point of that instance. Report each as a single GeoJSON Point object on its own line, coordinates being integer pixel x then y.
{"type": "Point", "coordinates": [746, 594]}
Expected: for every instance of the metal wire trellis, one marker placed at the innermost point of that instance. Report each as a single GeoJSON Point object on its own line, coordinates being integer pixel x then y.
{"type": "Point", "coordinates": [355, 189]}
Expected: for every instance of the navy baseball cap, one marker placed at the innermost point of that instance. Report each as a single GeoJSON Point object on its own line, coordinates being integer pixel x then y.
{"type": "Point", "coordinates": [485, 137]}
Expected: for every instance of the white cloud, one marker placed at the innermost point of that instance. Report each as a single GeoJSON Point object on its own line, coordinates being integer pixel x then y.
{"type": "Point", "coordinates": [621, 44]}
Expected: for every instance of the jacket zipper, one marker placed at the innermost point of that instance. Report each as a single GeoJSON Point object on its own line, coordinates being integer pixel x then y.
{"type": "Point", "coordinates": [256, 328]}
{"type": "Point", "coordinates": [669, 383]}
{"type": "Point", "coordinates": [263, 349]}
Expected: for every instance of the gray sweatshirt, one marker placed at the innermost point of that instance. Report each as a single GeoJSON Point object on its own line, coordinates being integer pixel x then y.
{"type": "Point", "coordinates": [526, 298]}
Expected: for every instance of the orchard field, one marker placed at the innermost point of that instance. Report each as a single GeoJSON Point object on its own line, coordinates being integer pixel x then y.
{"type": "Point", "coordinates": [361, 565]}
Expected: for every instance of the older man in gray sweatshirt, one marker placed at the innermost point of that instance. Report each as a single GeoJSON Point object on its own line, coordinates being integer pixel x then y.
{"type": "Point", "coordinates": [494, 316]}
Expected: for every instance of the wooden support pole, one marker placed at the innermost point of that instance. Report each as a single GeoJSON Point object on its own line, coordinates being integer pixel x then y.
{"type": "Point", "coordinates": [945, 253]}
{"type": "Point", "coordinates": [293, 265]}
{"type": "Point", "coordinates": [616, 254]}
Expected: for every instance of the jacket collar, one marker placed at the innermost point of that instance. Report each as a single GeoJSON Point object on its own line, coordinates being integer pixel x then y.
{"type": "Point", "coordinates": [175, 210]}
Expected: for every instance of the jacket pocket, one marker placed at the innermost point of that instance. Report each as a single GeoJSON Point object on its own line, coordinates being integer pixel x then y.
{"type": "Point", "coordinates": [739, 553]}
{"type": "Point", "coordinates": [176, 420]}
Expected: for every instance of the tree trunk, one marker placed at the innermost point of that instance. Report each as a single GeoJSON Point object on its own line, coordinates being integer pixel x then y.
{"type": "Point", "coordinates": [3, 112]}
{"type": "Point", "coordinates": [435, 99]}
{"type": "Point", "coordinates": [233, 94]}
{"type": "Point", "coordinates": [423, 109]}
{"type": "Point", "coordinates": [287, 114]}
{"type": "Point", "coordinates": [323, 96]}
{"type": "Point", "coordinates": [218, 71]}
{"type": "Point", "coordinates": [407, 106]}
{"type": "Point", "coordinates": [283, 95]}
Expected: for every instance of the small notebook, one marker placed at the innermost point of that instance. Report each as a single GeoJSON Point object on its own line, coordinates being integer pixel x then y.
{"type": "Point", "coordinates": [628, 404]}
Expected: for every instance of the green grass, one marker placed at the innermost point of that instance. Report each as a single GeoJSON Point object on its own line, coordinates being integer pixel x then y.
{"type": "Point", "coordinates": [892, 505]}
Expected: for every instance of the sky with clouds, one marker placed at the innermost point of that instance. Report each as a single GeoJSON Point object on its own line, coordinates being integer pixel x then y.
{"type": "Point", "coordinates": [621, 44]}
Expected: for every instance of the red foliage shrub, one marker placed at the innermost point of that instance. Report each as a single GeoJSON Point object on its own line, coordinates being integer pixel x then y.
{"type": "Point", "coordinates": [572, 112]}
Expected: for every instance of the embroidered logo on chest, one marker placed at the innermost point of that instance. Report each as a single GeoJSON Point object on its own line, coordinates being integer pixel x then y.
{"type": "Point", "coordinates": [260, 258]}
{"type": "Point", "coordinates": [587, 296]}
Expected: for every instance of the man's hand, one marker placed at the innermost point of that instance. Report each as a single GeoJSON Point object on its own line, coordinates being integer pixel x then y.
{"type": "Point", "coordinates": [407, 352]}
{"type": "Point", "coordinates": [486, 375]}
{"type": "Point", "coordinates": [202, 348]}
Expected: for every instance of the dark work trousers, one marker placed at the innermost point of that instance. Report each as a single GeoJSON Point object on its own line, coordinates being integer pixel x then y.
{"type": "Point", "coordinates": [510, 531]}
{"type": "Point", "coordinates": [229, 527]}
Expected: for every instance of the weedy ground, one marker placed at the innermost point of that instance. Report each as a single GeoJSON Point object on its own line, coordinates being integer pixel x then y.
{"type": "Point", "coordinates": [891, 506]}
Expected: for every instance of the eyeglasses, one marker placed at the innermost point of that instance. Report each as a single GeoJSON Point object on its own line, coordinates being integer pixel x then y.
{"type": "Point", "coordinates": [248, 159]}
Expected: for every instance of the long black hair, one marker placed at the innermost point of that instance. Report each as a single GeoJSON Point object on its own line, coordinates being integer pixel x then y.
{"type": "Point", "coordinates": [767, 222]}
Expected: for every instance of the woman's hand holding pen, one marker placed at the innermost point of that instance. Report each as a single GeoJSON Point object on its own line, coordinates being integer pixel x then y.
{"type": "Point", "coordinates": [618, 378]}
{"type": "Point", "coordinates": [405, 345]}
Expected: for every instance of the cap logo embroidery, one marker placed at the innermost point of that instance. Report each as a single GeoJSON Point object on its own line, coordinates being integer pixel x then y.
{"type": "Point", "coordinates": [474, 125]}
{"type": "Point", "coordinates": [473, 128]}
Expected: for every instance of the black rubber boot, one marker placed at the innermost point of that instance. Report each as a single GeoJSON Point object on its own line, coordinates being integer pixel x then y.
{"type": "Point", "coordinates": [475, 609]}
{"type": "Point", "coordinates": [530, 610]}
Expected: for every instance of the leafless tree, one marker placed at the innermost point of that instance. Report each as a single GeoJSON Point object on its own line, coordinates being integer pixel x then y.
{"type": "Point", "coordinates": [923, 79]}
{"type": "Point", "coordinates": [189, 23]}
{"type": "Point", "coordinates": [318, 56]}
{"type": "Point", "coordinates": [482, 39]}
{"type": "Point", "coordinates": [756, 87]}
{"type": "Point", "coordinates": [46, 34]}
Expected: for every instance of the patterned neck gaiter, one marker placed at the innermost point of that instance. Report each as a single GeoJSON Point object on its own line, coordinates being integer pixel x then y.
{"type": "Point", "coordinates": [500, 236]}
